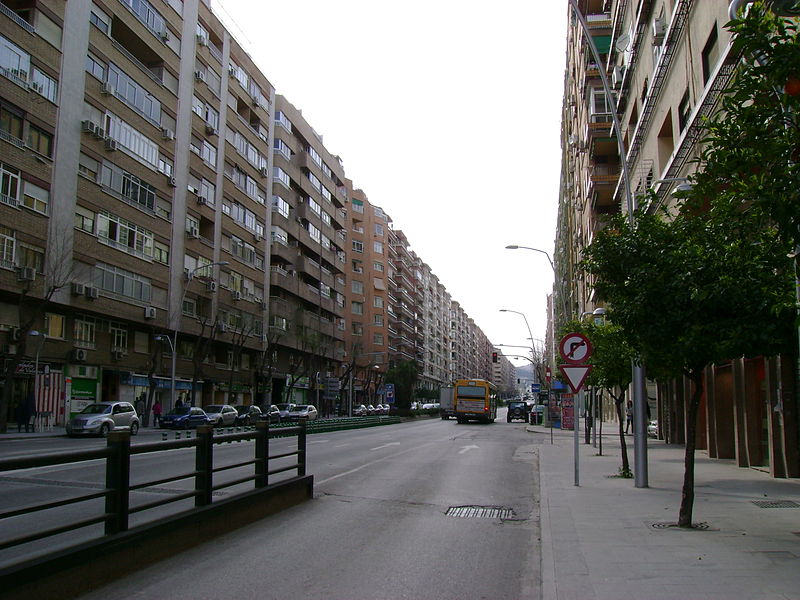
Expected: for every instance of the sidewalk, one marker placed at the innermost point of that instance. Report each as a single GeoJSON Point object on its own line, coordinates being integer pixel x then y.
{"type": "Point", "coordinates": [599, 542]}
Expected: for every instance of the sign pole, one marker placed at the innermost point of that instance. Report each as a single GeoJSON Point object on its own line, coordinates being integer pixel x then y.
{"type": "Point", "coordinates": [576, 422]}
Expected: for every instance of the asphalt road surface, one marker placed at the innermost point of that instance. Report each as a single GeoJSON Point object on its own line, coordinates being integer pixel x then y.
{"type": "Point", "coordinates": [386, 523]}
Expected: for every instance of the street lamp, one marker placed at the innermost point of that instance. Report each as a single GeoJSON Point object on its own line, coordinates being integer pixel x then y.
{"type": "Point", "coordinates": [530, 334]}
{"type": "Point", "coordinates": [173, 342]}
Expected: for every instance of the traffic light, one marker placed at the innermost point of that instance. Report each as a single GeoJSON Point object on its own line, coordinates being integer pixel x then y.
{"type": "Point", "coordinates": [494, 356]}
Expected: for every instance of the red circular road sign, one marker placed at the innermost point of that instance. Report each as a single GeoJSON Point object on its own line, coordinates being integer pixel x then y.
{"type": "Point", "coordinates": [575, 348]}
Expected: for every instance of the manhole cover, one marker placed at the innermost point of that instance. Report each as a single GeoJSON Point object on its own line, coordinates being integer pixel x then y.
{"type": "Point", "coordinates": [671, 525]}
{"type": "Point", "coordinates": [776, 503]}
{"type": "Point", "coordinates": [480, 512]}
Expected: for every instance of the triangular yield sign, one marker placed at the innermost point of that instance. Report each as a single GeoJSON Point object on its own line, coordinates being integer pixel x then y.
{"type": "Point", "coordinates": [575, 375]}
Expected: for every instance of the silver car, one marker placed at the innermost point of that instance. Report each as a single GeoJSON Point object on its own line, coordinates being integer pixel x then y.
{"type": "Point", "coordinates": [101, 417]}
{"type": "Point", "coordinates": [221, 415]}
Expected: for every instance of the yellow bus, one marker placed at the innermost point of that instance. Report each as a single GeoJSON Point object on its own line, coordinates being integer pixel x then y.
{"type": "Point", "coordinates": [475, 400]}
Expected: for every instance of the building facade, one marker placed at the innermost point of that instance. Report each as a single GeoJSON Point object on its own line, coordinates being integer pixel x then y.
{"type": "Point", "coordinates": [667, 63]}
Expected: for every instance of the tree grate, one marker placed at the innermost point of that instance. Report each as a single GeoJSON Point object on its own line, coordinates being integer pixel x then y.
{"type": "Point", "coordinates": [480, 512]}
{"type": "Point", "coordinates": [776, 503]}
{"type": "Point", "coordinates": [702, 526]}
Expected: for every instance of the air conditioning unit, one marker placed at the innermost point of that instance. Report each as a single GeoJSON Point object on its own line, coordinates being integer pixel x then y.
{"type": "Point", "coordinates": [221, 327]}
{"type": "Point", "coordinates": [202, 200]}
{"type": "Point", "coordinates": [659, 29]}
{"type": "Point", "coordinates": [149, 312]}
{"type": "Point", "coordinates": [107, 89]}
{"type": "Point", "coordinates": [211, 286]}
{"type": "Point", "coordinates": [37, 87]}
{"type": "Point", "coordinates": [194, 233]}
{"type": "Point", "coordinates": [88, 127]}
{"type": "Point", "coordinates": [117, 354]}
{"type": "Point", "coordinates": [164, 36]}
{"type": "Point", "coordinates": [257, 237]}
{"type": "Point", "coordinates": [254, 100]}
{"type": "Point", "coordinates": [236, 295]}
{"type": "Point", "coordinates": [263, 171]}
{"type": "Point", "coordinates": [171, 181]}
{"type": "Point", "coordinates": [91, 292]}
{"type": "Point", "coordinates": [232, 71]}
{"type": "Point", "coordinates": [77, 289]}
{"type": "Point", "coordinates": [79, 354]}
{"type": "Point", "coordinates": [617, 75]}
{"type": "Point", "coordinates": [199, 76]}
{"type": "Point", "coordinates": [167, 133]}
{"type": "Point", "coordinates": [100, 133]}
{"type": "Point", "coordinates": [192, 190]}
{"type": "Point", "coordinates": [210, 129]}
{"type": "Point", "coordinates": [15, 334]}
{"type": "Point", "coordinates": [202, 40]}
{"type": "Point", "coordinates": [111, 144]}
{"type": "Point", "coordinates": [26, 274]}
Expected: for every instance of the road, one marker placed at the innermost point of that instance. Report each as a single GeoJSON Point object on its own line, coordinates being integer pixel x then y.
{"type": "Point", "coordinates": [378, 526]}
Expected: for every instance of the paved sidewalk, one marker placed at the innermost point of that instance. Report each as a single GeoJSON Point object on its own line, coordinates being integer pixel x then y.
{"type": "Point", "coordinates": [599, 542]}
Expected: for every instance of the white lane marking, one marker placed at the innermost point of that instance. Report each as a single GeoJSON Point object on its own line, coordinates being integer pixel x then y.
{"type": "Point", "coordinates": [318, 441]}
{"type": "Point", "coordinates": [372, 462]}
{"type": "Point", "coordinates": [465, 449]}
{"type": "Point", "coordinates": [385, 446]}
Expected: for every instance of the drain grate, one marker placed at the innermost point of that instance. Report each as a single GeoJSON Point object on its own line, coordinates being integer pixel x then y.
{"type": "Point", "coordinates": [671, 525]}
{"type": "Point", "coordinates": [480, 512]}
{"type": "Point", "coordinates": [776, 503]}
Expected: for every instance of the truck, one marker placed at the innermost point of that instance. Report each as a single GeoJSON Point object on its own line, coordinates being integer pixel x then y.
{"type": "Point", "coordinates": [446, 406]}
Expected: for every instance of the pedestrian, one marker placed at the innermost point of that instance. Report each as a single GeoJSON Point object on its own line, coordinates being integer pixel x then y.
{"type": "Point", "coordinates": [628, 417]}
{"type": "Point", "coordinates": [178, 403]}
{"type": "Point", "coordinates": [156, 413]}
{"type": "Point", "coordinates": [26, 410]}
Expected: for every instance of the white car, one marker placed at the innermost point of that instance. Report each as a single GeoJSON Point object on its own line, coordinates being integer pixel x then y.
{"type": "Point", "coordinates": [221, 415]}
{"type": "Point", "coordinates": [302, 410]}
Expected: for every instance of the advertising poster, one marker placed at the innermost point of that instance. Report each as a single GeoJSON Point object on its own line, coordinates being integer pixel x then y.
{"type": "Point", "coordinates": [567, 411]}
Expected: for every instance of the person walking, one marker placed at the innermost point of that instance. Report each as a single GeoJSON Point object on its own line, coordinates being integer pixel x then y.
{"type": "Point", "coordinates": [628, 417]}
{"type": "Point", "coordinates": [156, 413]}
{"type": "Point", "coordinates": [26, 410]}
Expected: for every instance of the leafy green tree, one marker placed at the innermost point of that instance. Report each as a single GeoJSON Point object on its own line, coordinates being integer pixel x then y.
{"type": "Point", "coordinates": [693, 290]}
{"type": "Point", "coordinates": [751, 156]}
{"type": "Point", "coordinates": [404, 377]}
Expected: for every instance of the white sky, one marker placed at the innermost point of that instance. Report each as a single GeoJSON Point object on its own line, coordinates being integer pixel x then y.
{"type": "Point", "coordinates": [447, 114]}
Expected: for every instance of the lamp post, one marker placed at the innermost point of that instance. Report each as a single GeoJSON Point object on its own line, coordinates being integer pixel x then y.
{"type": "Point", "coordinates": [530, 335]}
{"type": "Point", "coordinates": [173, 342]}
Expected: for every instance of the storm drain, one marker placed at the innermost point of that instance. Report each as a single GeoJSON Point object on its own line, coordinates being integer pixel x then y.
{"type": "Point", "coordinates": [776, 503]}
{"type": "Point", "coordinates": [480, 512]}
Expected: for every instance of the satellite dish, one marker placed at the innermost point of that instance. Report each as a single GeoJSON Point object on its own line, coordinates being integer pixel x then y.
{"type": "Point", "coordinates": [622, 42]}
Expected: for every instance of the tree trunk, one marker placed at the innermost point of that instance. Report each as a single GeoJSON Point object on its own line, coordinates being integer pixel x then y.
{"type": "Point", "coordinates": [687, 495]}
{"type": "Point", "coordinates": [623, 447]}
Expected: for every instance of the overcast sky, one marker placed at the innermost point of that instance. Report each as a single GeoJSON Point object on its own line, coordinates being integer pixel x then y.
{"type": "Point", "coordinates": [447, 114]}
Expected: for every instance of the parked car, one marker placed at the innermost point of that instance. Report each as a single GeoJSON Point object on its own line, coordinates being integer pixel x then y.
{"type": "Point", "coordinates": [221, 415]}
{"type": "Point", "coordinates": [431, 406]}
{"type": "Point", "coordinates": [273, 412]}
{"type": "Point", "coordinates": [370, 409]}
{"type": "Point", "coordinates": [360, 411]}
{"type": "Point", "coordinates": [184, 417]}
{"type": "Point", "coordinates": [381, 409]}
{"type": "Point", "coordinates": [517, 410]}
{"type": "Point", "coordinates": [302, 410]}
{"type": "Point", "coordinates": [284, 408]}
{"type": "Point", "coordinates": [247, 415]}
{"type": "Point", "coordinates": [101, 417]}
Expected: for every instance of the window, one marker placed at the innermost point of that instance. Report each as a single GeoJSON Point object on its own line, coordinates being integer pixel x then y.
{"type": "Point", "coordinates": [95, 67]}
{"type": "Point", "coordinates": [314, 233]}
{"type": "Point", "coordinates": [54, 325]}
{"type": "Point", "coordinates": [357, 329]}
{"type": "Point", "coordinates": [377, 339]}
{"type": "Point", "coordinates": [378, 266]}
{"type": "Point", "coordinates": [710, 54]}
{"type": "Point", "coordinates": [282, 177]}
{"type": "Point", "coordinates": [28, 256]}
{"type": "Point", "coordinates": [40, 141]}
{"type": "Point", "coordinates": [84, 331]}
{"type": "Point", "coordinates": [7, 246]}
{"type": "Point", "coordinates": [132, 140]}
{"type": "Point", "coordinates": [119, 336]}
{"type": "Point", "coordinates": [314, 206]}
{"type": "Point", "coordinates": [84, 219]}
{"type": "Point", "coordinates": [134, 95]}
{"type": "Point", "coordinates": [280, 206]}
{"type": "Point", "coordinates": [358, 246]}
{"type": "Point", "coordinates": [377, 247]}
{"type": "Point", "coordinates": [161, 253]}
{"type": "Point", "coordinates": [100, 20]}
{"type": "Point", "coordinates": [279, 235]}
{"type": "Point", "coordinates": [378, 320]}
{"type": "Point", "coordinates": [357, 268]}
{"type": "Point", "coordinates": [123, 283]}
{"type": "Point", "coordinates": [377, 302]}
{"type": "Point", "coordinates": [125, 235]}
{"type": "Point", "coordinates": [44, 85]}
{"type": "Point", "coordinates": [357, 308]}
{"type": "Point", "coordinates": [684, 110]}
{"type": "Point", "coordinates": [209, 153]}
{"type": "Point", "coordinates": [357, 287]}
{"type": "Point", "coordinates": [277, 322]}
{"type": "Point", "coordinates": [88, 167]}
{"type": "Point", "coordinates": [9, 185]}
{"type": "Point", "coordinates": [378, 229]}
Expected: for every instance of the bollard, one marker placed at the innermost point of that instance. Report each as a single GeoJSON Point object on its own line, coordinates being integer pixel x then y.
{"type": "Point", "coordinates": [118, 475]}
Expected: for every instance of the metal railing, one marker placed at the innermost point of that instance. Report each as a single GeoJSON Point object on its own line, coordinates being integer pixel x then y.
{"type": "Point", "coordinates": [118, 487]}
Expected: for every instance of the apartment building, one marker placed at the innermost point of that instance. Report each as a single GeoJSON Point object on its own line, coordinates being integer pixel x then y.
{"type": "Point", "coordinates": [667, 63]}
{"type": "Point", "coordinates": [172, 228]}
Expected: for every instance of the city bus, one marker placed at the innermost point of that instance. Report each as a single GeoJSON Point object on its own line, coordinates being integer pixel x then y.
{"type": "Point", "coordinates": [475, 400]}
